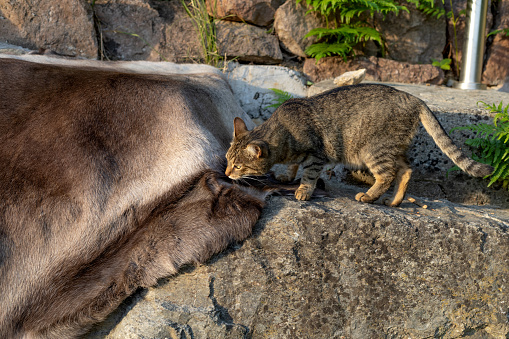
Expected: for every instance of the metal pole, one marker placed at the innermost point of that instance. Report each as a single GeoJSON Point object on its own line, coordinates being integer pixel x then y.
{"type": "Point", "coordinates": [473, 47]}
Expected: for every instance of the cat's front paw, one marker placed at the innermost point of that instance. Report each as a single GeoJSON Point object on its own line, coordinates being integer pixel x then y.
{"type": "Point", "coordinates": [303, 194]}
{"type": "Point", "coordinates": [389, 202]}
{"type": "Point", "coordinates": [363, 197]}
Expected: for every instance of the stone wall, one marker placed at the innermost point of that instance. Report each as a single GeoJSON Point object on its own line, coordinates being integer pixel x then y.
{"type": "Point", "coordinates": [249, 31]}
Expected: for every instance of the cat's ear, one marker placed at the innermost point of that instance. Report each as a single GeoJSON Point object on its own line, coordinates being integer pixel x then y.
{"type": "Point", "coordinates": [239, 127]}
{"type": "Point", "coordinates": [258, 149]}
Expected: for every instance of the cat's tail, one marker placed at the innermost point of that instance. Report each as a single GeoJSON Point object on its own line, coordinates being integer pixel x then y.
{"type": "Point", "coordinates": [445, 143]}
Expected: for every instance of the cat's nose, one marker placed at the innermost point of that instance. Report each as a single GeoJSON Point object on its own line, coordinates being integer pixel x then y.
{"type": "Point", "coordinates": [228, 171]}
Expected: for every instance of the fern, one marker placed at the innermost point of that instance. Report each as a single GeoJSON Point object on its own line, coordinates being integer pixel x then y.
{"type": "Point", "coordinates": [368, 33]}
{"type": "Point", "coordinates": [342, 35]}
{"type": "Point", "coordinates": [349, 35]}
{"type": "Point", "coordinates": [428, 7]}
{"type": "Point", "coordinates": [325, 49]}
{"type": "Point", "coordinates": [352, 7]}
{"type": "Point", "coordinates": [492, 142]}
{"type": "Point", "coordinates": [344, 31]}
{"type": "Point", "coordinates": [281, 97]}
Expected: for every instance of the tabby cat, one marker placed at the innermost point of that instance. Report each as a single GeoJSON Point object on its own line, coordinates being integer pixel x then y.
{"type": "Point", "coordinates": [365, 126]}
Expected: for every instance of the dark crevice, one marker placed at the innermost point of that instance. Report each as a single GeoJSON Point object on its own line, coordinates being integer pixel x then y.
{"type": "Point", "coordinates": [484, 236]}
{"type": "Point", "coordinates": [495, 22]}
{"type": "Point", "coordinates": [105, 49]}
{"type": "Point", "coordinates": [97, 30]}
{"type": "Point", "coordinates": [221, 314]}
{"type": "Point", "coordinates": [295, 250]}
{"type": "Point", "coordinates": [444, 192]}
{"type": "Point", "coordinates": [182, 331]}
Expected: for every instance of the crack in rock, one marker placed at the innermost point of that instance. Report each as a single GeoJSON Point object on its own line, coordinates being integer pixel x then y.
{"type": "Point", "coordinates": [221, 314]}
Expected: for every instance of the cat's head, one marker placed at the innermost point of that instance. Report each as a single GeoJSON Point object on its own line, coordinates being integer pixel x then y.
{"type": "Point", "coordinates": [247, 155]}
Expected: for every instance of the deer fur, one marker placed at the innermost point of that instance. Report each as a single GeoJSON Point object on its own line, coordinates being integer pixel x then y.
{"type": "Point", "coordinates": [109, 180]}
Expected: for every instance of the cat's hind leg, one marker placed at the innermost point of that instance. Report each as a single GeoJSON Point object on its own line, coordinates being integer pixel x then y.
{"type": "Point", "coordinates": [384, 171]}
{"type": "Point", "coordinates": [312, 167]}
{"type": "Point", "coordinates": [291, 172]}
{"type": "Point", "coordinates": [402, 177]}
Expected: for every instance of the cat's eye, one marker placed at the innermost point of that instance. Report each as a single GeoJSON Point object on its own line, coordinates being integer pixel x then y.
{"type": "Point", "coordinates": [237, 166]}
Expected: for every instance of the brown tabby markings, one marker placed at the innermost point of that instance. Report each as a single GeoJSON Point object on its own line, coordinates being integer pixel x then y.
{"type": "Point", "coordinates": [365, 126]}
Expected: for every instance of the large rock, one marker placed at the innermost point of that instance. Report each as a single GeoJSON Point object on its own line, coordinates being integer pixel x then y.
{"type": "Point", "coordinates": [291, 24]}
{"type": "Point", "coordinates": [257, 12]}
{"type": "Point", "coordinates": [350, 78]}
{"type": "Point", "coordinates": [377, 69]}
{"type": "Point", "coordinates": [130, 29]}
{"type": "Point", "coordinates": [65, 27]}
{"type": "Point", "coordinates": [497, 66]}
{"type": "Point", "coordinates": [413, 36]}
{"type": "Point", "coordinates": [12, 49]}
{"type": "Point", "coordinates": [252, 85]}
{"type": "Point", "coordinates": [247, 43]}
{"type": "Point", "coordinates": [345, 79]}
{"type": "Point", "coordinates": [335, 268]}
{"type": "Point", "coordinates": [180, 41]}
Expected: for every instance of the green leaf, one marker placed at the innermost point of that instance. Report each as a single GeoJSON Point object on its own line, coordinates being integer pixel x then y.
{"type": "Point", "coordinates": [443, 64]}
{"type": "Point", "coordinates": [452, 169]}
{"type": "Point", "coordinates": [321, 50]}
{"type": "Point", "coordinates": [492, 142]}
{"type": "Point", "coordinates": [281, 97]}
{"type": "Point", "coordinates": [494, 32]}
{"type": "Point", "coordinates": [347, 25]}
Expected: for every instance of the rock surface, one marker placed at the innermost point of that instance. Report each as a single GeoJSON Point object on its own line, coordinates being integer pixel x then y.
{"type": "Point", "coordinates": [130, 29]}
{"type": "Point", "coordinates": [251, 86]}
{"type": "Point", "coordinates": [247, 43]}
{"type": "Point", "coordinates": [413, 36]}
{"type": "Point", "coordinates": [257, 12]}
{"type": "Point", "coordinates": [13, 49]}
{"type": "Point", "coordinates": [65, 27]}
{"type": "Point", "coordinates": [350, 78]}
{"type": "Point", "coordinates": [291, 24]}
{"type": "Point", "coordinates": [377, 69]}
{"type": "Point", "coordinates": [335, 268]}
{"type": "Point", "coordinates": [497, 66]}
{"type": "Point", "coordinates": [180, 41]}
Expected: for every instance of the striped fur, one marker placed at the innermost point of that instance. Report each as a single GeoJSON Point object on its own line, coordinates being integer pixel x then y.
{"type": "Point", "coordinates": [365, 126]}
{"type": "Point", "coordinates": [444, 142]}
